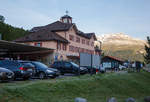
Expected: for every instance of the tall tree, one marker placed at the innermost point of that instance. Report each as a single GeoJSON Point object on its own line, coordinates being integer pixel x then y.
{"type": "Point", "coordinates": [147, 49]}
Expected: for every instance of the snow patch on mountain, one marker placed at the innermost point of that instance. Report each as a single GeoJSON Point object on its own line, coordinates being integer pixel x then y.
{"type": "Point", "coordinates": [119, 39]}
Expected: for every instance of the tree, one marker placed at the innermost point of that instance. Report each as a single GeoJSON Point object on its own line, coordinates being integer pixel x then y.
{"type": "Point", "coordinates": [147, 49]}
{"type": "Point", "coordinates": [10, 33]}
{"type": "Point", "coordinates": [2, 18]}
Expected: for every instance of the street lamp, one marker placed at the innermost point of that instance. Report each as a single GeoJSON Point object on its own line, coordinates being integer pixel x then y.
{"type": "Point", "coordinates": [100, 47]}
{"type": "Point", "coordinates": [100, 51]}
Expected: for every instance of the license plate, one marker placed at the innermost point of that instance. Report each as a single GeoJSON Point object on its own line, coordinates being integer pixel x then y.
{"type": "Point", "coordinates": [9, 76]}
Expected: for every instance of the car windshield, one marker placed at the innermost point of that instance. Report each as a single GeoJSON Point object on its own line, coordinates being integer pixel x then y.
{"type": "Point", "coordinates": [39, 65]}
{"type": "Point", "coordinates": [74, 64]}
{"type": "Point", "coordinates": [27, 64]}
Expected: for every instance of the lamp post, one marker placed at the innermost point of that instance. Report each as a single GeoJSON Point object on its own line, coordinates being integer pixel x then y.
{"type": "Point", "coordinates": [100, 48]}
{"type": "Point", "coordinates": [100, 45]}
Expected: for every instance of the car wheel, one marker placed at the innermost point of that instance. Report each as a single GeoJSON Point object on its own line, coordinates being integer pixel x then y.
{"type": "Point", "coordinates": [53, 77]}
{"type": "Point", "coordinates": [42, 75]}
{"type": "Point", "coordinates": [62, 73]}
{"type": "Point", "coordinates": [26, 78]}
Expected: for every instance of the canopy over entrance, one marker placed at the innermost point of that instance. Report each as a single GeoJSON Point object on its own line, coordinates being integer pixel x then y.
{"type": "Point", "coordinates": [8, 49]}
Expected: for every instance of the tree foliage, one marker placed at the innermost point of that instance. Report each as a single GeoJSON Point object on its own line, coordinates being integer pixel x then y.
{"type": "Point", "coordinates": [147, 49]}
{"type": "Point", "coordinates": [2, 18]}
{"type": "Point", "coordinates": [10, 33]}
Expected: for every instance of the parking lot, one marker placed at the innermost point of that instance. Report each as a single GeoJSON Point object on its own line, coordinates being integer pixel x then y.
{"type": "Point", "coordinates": [35, 79]}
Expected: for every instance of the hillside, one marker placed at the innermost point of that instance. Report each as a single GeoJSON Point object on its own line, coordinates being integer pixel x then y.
{"type": "Point", "coordinates": [122, 46]}
{"type": "Point", "coordinates": [10, 33]}
{"type": "Point", "coordinates": [97, 88]}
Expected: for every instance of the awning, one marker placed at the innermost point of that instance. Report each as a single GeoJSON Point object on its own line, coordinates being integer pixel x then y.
{"type": "Point", "coordinates": [13, 47]}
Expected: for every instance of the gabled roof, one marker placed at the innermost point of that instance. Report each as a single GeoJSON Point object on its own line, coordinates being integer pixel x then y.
{"type": "Point", "coordinates": [86, 35]}
{"type": "Point", "coordinates": [60, 26]}
{"type": "Point", "coordinates": [48, 32]}
{"type": "Point", "coordinates": [42, 35]}
{"type": "Point", "coordinates": [56, 26]}
{"type": "Point", "coordinates": [114, 58]}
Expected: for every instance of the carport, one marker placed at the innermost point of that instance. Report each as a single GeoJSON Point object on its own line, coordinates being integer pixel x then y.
{"type": "Point", "coordinates": [15, 50]}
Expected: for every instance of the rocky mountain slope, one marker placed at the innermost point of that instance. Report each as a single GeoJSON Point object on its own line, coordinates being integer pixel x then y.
{"type": "Point", "coordinates": [122, 46]}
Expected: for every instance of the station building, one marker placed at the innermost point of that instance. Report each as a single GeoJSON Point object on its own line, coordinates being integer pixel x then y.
{"type": "Point", "coordinates": [64, 37]}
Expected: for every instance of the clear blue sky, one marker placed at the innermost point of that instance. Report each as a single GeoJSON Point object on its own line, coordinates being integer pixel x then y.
{"type": "Point", "coordinates": [131, 17]}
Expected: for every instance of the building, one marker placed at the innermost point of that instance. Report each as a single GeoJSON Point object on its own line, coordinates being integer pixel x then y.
{"type": "Point", "coordinates": [110, 62]}
{"type": "Point", "coordinates": [64, 37]}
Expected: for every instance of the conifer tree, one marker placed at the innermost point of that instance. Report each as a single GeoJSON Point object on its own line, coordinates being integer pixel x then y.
{"type": "Point", "coordinates": [147, 49]}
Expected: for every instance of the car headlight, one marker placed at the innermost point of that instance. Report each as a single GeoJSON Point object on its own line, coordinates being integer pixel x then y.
{"type": "Point", "coordinates": [1, 73]}
{"type": "Point", "coordinates": [49, 71]}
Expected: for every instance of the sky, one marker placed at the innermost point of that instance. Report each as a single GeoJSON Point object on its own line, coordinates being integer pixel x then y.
{"type": "Point", "coordinates": [131, 17]}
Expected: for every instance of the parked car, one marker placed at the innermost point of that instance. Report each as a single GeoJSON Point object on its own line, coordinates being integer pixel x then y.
{"type": "Point", "coordinates": [6, 74]}
{"type": "Point", "coordinates": [102, 69]}
{"type": "Point", "coordinates": [69, 67]}
{"type": "Point", "coordinates": [42, 71]}
{"type": "Point", "coordinates": [93, 69]}
{"type": "Point", "coordinates": [121, 67]}
{"type": "Point", "coordinates": [20, 69]}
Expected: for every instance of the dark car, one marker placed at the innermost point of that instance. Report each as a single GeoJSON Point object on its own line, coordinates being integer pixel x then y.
{"type": "Point", "coordinates": [6, 74]}
{"type": "Point", "coordinates": [68, 67]}
{"type": "Point", "coordinates": [20, 69]}
{"type": "Point", "coordinates": [92, 70]}
{"type": "Point", "coordinates": [42, 71]}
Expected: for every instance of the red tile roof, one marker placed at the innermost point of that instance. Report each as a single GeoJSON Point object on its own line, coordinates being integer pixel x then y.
{"type": "Point", "coordinates": [115, 58]}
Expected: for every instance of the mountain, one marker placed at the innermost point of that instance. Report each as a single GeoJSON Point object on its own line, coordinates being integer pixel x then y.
{"type": "Point", "coordinates": [122, 46]}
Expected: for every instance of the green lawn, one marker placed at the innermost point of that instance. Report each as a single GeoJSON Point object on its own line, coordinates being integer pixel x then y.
{"type": "Point", "coordinates": [97, 88]}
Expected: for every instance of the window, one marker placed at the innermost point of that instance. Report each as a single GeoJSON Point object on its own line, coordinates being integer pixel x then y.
{"type": "Point", "coordinates": [39, 44]}
{"type": "Point", "coordinates": [78, 39]}
{"type": "Point", "coordinates": [65, 21]}
{"type": "Point", "coordinates": [67, 65]}
{"type": "Point", "coordinates": [58, 46]}
{"type": "Point", "coordinates": [76, 49]}
{"type": "Point", "coordinates": [64, 47]}
{"type": "Point", "coordinates": [71, 37]}
{"type": "Point", "coordinates": [87, 42]}
{"type": "Point", "coordinates": [70, 21]}
{"type": "Point", "coordinates": [71, 48]}
{"type": "Point", "coordinates": [83, 41]}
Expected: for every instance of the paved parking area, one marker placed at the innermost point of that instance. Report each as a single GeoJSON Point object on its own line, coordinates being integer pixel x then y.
{"type": "Point", "coordinates": [35, 79]}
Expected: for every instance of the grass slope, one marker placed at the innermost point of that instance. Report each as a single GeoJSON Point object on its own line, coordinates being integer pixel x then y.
{"type": "Point", "coordinates": [125, 52]}
{"type": "Point", "coordinates": [96, 88]}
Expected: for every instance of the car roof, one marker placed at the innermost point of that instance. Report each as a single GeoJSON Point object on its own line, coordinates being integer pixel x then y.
{"type": "Point", "coordinates": [62, 61]}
